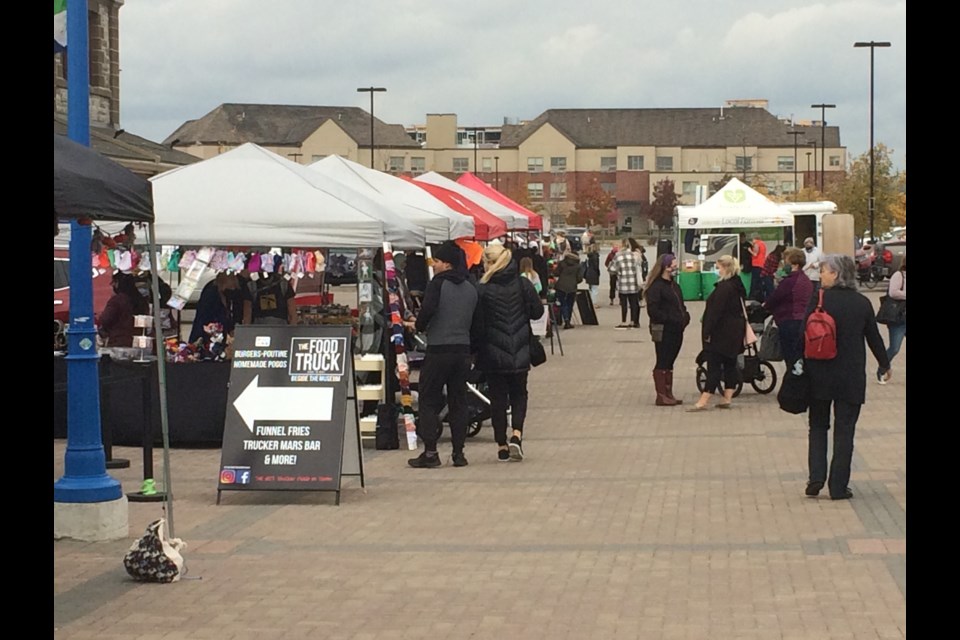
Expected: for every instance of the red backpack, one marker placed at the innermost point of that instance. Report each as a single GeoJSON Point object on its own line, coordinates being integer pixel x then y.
{"type": "Point", "coordinates": [820, 334]}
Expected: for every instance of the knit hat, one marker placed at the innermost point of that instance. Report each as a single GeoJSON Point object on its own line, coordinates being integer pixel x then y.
{"type": "Point", "coordinates": [449, 253]}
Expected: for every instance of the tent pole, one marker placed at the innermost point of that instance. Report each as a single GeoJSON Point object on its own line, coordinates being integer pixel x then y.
{"type": "Point", "coordinates": [161, 376]}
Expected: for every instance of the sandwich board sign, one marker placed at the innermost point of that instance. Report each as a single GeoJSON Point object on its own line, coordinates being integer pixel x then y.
{"type": "Point", "coordinates": [287, 406]}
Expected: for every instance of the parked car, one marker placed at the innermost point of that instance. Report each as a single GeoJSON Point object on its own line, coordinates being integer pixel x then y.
{"type": "Point", "coordinates": [892, 253]}
{"type": "Point", "coordinates": [102, 291]}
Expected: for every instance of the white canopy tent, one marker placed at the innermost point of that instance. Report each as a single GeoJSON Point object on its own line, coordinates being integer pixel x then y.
{"type": "Point", "coordinates": [514, 221]}
{"type": "Point", "coordinates": [254, 197]}
{"type": "Point", "coordinates": [407, 200]}
{"type": "Point", "coordinates": [735, 205]}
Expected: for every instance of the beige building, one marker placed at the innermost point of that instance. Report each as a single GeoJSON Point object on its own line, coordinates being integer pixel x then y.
{"type": "Point", "coordinates": [547, 161]}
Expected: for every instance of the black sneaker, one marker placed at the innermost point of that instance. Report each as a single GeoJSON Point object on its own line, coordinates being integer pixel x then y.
{"type": "Point", "coordinates": [503, 455]}
{"type": "Point", "coordinates": [424, 461]}
{"type": "Point", "coordinates": [516, 449]}
{"type": "Point", "coordinates": [459, 460]}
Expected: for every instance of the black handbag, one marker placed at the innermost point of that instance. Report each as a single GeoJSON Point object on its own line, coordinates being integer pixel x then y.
{"type": "Point", "coordinates": [538, 355]}
{"type": "Point", "coordinates": [656, 332]}
{"type": "Point", "coordinates": [794, 394]}
{"type": "Point", "coordinates": [893, 311]}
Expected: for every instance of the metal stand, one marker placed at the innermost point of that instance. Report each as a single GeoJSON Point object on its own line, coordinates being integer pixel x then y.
{"type": "Point", "coordinates": [554, 327]}
{"type": "Point", "coordinates": [144, 495]}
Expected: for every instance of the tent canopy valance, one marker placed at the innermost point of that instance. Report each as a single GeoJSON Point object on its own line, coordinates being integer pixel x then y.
{"type": "Point", "coordinates": [87, 184]}
{"type": "Point", "coordinates": [249, 196]}
{"type": "Point", "coordinates": [486, 225]}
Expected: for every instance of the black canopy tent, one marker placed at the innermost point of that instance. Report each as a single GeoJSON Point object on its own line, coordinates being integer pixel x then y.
{"type": "Point", "coordinates": [88, 185]}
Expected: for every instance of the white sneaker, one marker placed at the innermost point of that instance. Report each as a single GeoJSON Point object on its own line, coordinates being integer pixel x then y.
{"type": "Point", "coordinates": [880, 379]}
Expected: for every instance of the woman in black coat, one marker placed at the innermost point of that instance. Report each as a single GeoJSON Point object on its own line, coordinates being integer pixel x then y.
{"type": "Point", "coordinates": [724, 327]}
{"type": "Point", "coordinates": [665, 308]}
{"type": "Point", "coordinates": [507, 304]}
{"type": "Point", "coordinates": [842, 380]}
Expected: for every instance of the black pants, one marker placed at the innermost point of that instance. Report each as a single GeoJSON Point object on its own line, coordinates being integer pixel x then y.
{"type": "Point", "coordinates": [507, 390]}
{"type": "Point", "coordinates": [791, 342]}
{"type": "Point", "coordinates": [669, 348]}
{"type": "Point", "coordinates": [721, 367]}
{"type": "Point", "coordinates": [439, 370]}
{"type": "Point", "coordinates": [633, 299]}
{"type": "Point", "coordinates": [613, 286]}
{"type": "Point", "coordinates": [845, 415]}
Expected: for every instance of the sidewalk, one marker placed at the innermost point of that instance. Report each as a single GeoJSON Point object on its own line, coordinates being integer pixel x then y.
{"type": "Point", "coordinates": [625, 520]}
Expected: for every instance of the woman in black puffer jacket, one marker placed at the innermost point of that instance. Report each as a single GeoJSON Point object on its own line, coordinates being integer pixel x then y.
{"type": "Point", "coordinates": [507, 303]}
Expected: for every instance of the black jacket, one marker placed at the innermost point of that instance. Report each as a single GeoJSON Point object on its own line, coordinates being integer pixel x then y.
{"type": "Point", "coordinates": [665, 304]}
{"type": "Point", "coordinates": [592, 271]}
{"type": "Point", "coordinates": [507, 303]}
{"type": "Point", "coordinates": [844, 377]}
{"type": "Point", "coordinates": [450, 313]}
{"type": "Point", "coordinates": [568, 274]}
{"type": "Point", "coordinates": [724, 323]}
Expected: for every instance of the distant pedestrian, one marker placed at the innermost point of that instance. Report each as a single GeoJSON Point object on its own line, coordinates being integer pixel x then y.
{"type": "Point", "coordinates": [897, 330]}
{"type": "Point", "coordinates": [568, 277]}
{"type": "Point", "coordinates": [612, 272]}
{"type": "Point", "coordinates": [812, 257]}
{"type": "Point", "coordinates": [769, 271]}
{"type": "Point", "coordinates": [591, 271]}
{"type": "Point", "coordinates": [788, 304]}
{"type": "Point", "coordinates": [628, 285]}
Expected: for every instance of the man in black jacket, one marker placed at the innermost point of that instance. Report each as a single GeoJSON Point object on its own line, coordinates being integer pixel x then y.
{"type": "Point", "coordinates": [450, 317]}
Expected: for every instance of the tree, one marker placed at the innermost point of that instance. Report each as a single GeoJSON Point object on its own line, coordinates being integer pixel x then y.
{"type": "Point", "coordinates": [592, 207]}
{"type": "Point", "coordinates": [852, 193]}
{"type": "Point", "coordinates": [664, 203]}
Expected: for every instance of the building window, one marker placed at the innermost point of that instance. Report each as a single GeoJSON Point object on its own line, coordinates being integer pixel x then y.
{"type": "Point", "coordinates": [535, 190]}
{"type": "Point", "coordinates": [558, 165]}
{"type": "Point", "coordinates": [635, 163]}
{"type": "Point", "coordinates": [834, 161]}
{"type": "Point", "coordinates": [771, 186]}
{"type": "Point", "coordinates": [418, 164]}
{"type": "Point", "coordinates": [316, 158]}
{"type": "Point", "coordinates": [744, 163]}
{"type": "Point", "coordinates": [534, 165]}
{"type": "Point", "coordinates": [558, 190]}
{"type": "Point", "coordinates": [608, 163]}
{"type": "Point", "coordinates": [787, 186]}
{"type": "Point", "coordinates": [397, 164]}
{"type": "Point", "coordinates": [461, 165]}
{"type": "Point", "coordinates": [487, 164]}
{"type": "Point", "coordinates": [610, 188]}
{"type": "Point", "coordinates": [785, 163]}
{"type": "Point", "coordinates": [664, 163]}
{"type": "Point", "coordinates": [690, 189]}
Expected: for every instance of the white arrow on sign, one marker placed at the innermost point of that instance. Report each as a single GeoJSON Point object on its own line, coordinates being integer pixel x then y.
{"type": "Point", "coordinates": [283, 403]}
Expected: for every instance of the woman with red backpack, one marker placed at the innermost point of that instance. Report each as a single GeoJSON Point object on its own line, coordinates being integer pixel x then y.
{"type": "Point", "coordinates": [837, 371]}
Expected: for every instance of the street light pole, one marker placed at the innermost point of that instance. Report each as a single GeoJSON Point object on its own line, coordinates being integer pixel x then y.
{"type": "Point", "coordinates": [808, 162]}
{"type": "Point", "coordinates": [476, 167]}
{"type": "Point", "coordinates": [795, 133]}
{"type": "Point", "coordinates": [823, 139]}
{"type": "Point", "coordinates": [496, 172]}
{"type": "Point", "coordinates": [870, 203]}
{"type": "Point", "coordinates": [813, 143]}
{"type": "Point", "coordinates": [371, 91]}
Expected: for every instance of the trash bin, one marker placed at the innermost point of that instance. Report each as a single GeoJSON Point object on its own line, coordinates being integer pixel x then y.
{"type": "Point", "coordinates": [708, 280]}
{"type": "Point", "coordinates": [689, 282]}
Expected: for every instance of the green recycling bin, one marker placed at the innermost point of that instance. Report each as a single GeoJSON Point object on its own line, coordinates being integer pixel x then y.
{"type": "Point", "coordinates": [746, 277]}
{"type": "Point", "coordinates": [689, 282]}
{"type": "Point", "coordinates": [708, 279]}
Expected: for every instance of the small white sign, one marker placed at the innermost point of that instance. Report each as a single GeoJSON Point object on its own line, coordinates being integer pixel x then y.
{"type": "Point", "coordinates": [262, 341]}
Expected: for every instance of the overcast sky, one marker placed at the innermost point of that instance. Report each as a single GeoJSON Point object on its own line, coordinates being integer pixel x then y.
{"type": "Point", "coordinates": [489, 60]}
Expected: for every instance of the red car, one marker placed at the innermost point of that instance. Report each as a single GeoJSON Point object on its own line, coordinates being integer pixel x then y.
{"type": "Point", "coordinates": [102, 287]}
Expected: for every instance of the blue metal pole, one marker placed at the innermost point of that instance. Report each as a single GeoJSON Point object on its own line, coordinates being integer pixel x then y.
{"type": "Point", "coordinates": [85, 476]}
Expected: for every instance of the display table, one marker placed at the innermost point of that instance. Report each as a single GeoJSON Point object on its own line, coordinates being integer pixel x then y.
{"type": "Point", "coordinates": [196, 401]}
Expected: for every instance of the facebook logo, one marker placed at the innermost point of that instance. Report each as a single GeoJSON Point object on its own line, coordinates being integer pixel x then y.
{"type": "Point", "coordinates": [243, 477]}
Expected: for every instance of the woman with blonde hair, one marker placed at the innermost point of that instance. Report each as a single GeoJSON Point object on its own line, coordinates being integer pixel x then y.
{"type": "Point", "coordinates": [724, 327]}
{"type": "Point", "coordinates": [507, 304]}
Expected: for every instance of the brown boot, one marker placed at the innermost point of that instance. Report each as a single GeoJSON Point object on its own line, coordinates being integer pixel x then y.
{"type": "Point", "coordinates": [669, 377]}
{"type": "Point", "coordinates": [660, 382]}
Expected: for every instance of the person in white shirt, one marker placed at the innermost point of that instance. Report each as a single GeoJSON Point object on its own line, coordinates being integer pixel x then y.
{"type": "Point", "coordinates": [812, 256]}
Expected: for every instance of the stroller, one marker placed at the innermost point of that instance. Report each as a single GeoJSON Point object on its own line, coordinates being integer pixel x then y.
{"type": "Point", "coordinates": [761, 374]}
{"type": "Point", "coordinates": [478, 401]}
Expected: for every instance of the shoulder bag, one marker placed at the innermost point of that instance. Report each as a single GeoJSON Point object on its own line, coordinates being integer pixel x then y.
{"type": "Point", "coordinates": [749, 337]}
{"type": "Point", "coordinates": [893, 311]}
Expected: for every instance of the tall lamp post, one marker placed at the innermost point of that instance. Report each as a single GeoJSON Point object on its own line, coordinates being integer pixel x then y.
{"type": "Point", "coordinates": [870, 203]}
{"type": "Point", "coordinates": [823, 139]}
{"type": "Point", "coordinates": [476, 167]}
{"type": "Point", "coordinates": [795, 133]}
{"type": "Point", "coordinates": [808, 162]}
{"type": "Point", "coordinates": [371, 91]}
{"type": "Point", "coordinates": [496, 172]}
{"type": "Point", "coordinates": [813, 143]}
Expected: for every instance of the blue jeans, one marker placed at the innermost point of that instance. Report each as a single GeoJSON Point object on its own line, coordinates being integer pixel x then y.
{"type": "Point", "coordinates": [566, 304]}
{"type": "Point", "coordinates": [897, 333]}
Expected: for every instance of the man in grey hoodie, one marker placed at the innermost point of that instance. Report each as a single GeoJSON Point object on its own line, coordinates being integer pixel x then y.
{"type": "Point", "coordinates": [450, 317]}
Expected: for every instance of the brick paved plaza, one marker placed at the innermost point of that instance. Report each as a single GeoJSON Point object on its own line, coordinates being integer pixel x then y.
{"type": "Point", "coordinates": [624, 521]}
